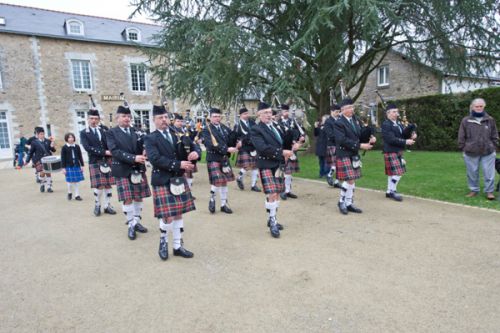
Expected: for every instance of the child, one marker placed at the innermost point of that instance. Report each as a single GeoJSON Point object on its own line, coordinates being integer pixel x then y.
{"type": "Point", "coordinates": [72, 163]}
{"type": "Point", "coordinates": [41, 147]}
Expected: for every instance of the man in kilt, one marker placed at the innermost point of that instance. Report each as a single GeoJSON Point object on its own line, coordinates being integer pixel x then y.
{"type": "Point", "coordinates": [291, 136]}
{"type": "Point", "coordinates": [128, 168]}
{"type": "Point", "coordinates": [180, 130]}
{"type": "Point", "coordinates": [347, 131]}
{"type": "Point", "coordinates": [247, 156]}
{"type": "Point", "coordinates": [170, 160]}
{"type": "Point", "coordinates": [271, 158]}
{"type": "Point", "coordinates": [394, 144]}
{"type": "Point", "coordinates": [41, 147]}
{"type": "Point", "coordinates": [330, 145]}
{"type": "Point", "coordinates": [216, 138]}
{"type": "Point", "coordinates": [93, 140]}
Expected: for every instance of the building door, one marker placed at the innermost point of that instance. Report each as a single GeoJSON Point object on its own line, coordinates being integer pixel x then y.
{"type": "Point", "coordinates": [80, 122]}
{"type": "Point", "coordinates": [6, 148]}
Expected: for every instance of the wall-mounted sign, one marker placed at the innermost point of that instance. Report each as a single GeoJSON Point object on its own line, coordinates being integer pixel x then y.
{"type": "Point", "coordinates": [110, 98]}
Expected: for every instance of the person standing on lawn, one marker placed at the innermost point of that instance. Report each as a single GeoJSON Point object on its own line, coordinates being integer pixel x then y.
{"type": "Point", "coordinates": [478, 140]}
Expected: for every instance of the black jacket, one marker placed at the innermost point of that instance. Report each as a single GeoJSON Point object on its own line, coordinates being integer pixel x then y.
{"type": "Point", "coordinates": [346, 137]}
{"type": "Point", "coordinates": [393, 137]}
{"type": "Point", "coordinates": [269, 148]}
{"type": "Point", "coordinates": [124, 148]}
{"type": "Point", "coordinates": [321, 140]}
{"type": "Point", "coordinates": [329, 131]}
{"type": "Point", "coordinates": [216, 154]}
{"type": "Point", "coordinates": [164, 158]}
{"type": "Point", "coordinates": [95, 148]}
{"type": "Point", "coordinates": [246, 141]}
{"type": "Point", "coordinates": [39, 149]}
{"type": "Point", "coordinates": [67, 154]}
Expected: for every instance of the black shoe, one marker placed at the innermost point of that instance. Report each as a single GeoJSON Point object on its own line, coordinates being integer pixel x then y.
{"type": "Point", "coordinates": [49, 190]}
{"type": "Point", "coordinates": [226, 209]}
{"type": "Point", "coordinates": [239, 181]}
{"type": "Point", "coordinates": [283, 196]}
{"type": "Point", "coordinates": [291, 195]}
{"type": "Point", "coordinates": [273, 228]}
{"type": "Point", "coordinates": [109, 210]}
{"type": "Point", "coordinates": [394, 195]}
{"type": "Point", "coordinates": [131, 232]}
{"type": "Point", "coordinates": [182, 252]}
{"type": "Point", "coordinates": [256, 189]}
{"type": "Point", "coordinates": [97, 210]}
{"type": "Point", "coordinates": [354, 209]}
{"type": "Point", "coordinates": [330, 181]}
{"type": "Point", "coordinates": [140, 228]}
{"type": "Point", "coordinates": [42, 188]}
{"type": "Point", "coordinates": [78, 198]}
{"type": "Point", "coordinates": [280, 227]}
{"type": "Point", "coordinates": [342, 208]}
{"type": "Point", "coordinates": [70, 196]}
{"type": "Point", "coordinates": [163, 250]}
{"type": "Point", "coordinates": [211, 205]}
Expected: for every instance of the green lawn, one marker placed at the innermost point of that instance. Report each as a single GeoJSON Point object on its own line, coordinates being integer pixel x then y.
{"type": "Point", "coordinates": [435, 175]}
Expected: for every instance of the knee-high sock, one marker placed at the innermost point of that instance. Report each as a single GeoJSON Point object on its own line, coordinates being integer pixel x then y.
{"type": "Point", "coordinates": [69, 188]}
{"type": "Point", "coordinates": [343, 191]}
{"type": "Point", "coordinates": [108, 193]}
{"type": "Point", "coordinates": [393, 183]}
{"type": "Point", "coordinates": [288, 183]}
{"type": "Point", "coordinates": [349, 194]}
{"type": "Point", "coordinates": [48, 181]}
{"type": "Point", "coordinates": [255, 175]}
{"type": "Point", "coordinates": [164, 229]}
{"type": "Point", "coordinates": [128, 210]}
{"type": "Point", "coordinates": [242, 172]}
{"type": "Point", "coordinates": [223, 195]}
{"type": "Point", "coordinates": [213, 189]}
{"type": "Point", "coordinates": [190, 183]}
{"type": "Point", "coordinates": [176, 232]}
{"type": "Point", "coordinates": [137, 210]}
{"type": "Point", "coordinates": [76, 189]}
{"type": "Point", "coordinates": [331, 172]}
{"type": "Point", "coordinates": [97, 196]}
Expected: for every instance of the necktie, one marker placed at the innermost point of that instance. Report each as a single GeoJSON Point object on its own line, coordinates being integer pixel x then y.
{"type": "Point", "coordinates": [276, 134]}
{"type": "Point", "coordinates": [167, 136]}
{"type": "Point", "coordinates": [352, 124]}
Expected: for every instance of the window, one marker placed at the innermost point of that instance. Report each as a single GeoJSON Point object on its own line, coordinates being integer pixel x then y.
{"type": "Point", "coordinates": [82, 79]}
{"type": "Point", "coordinates": [133, 34]}
{"type": "Point", "coordinates": [74, 27]}
{"type": "Point", "coordinates": [5, 146]}
{"type": "Point", "coordinates": [138, 77]}
{"type": "Point", "coordinates": [141, 122]}
{"type": "Point", "coordinates": [2, 21]}
{"type": "Point", "coordinates": [81, 120]}
{"type": "Point", "coordinates": [383, 76]}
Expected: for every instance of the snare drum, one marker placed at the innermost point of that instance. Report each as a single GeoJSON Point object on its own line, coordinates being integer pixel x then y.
{"type": "Point", "coordinates": [51, 164]}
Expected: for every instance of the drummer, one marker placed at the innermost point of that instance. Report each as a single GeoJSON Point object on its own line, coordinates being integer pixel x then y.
{"type": "Point", "coordinates": [40, 148]}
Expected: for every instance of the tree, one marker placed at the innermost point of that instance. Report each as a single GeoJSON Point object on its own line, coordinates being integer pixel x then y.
{"type": "Point", "coordinates": [215, 49]}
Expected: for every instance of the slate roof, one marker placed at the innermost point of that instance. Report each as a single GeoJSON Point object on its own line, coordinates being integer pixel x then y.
{"type": "Point", "coordinates": [49, 23]}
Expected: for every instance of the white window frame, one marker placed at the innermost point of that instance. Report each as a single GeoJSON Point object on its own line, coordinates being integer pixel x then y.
{"type": "Point", "coordinates": [9, 151]}
{"type": "Point", "coordinates": [143, 115]}
{"type": "Point", "coordinates": [80, 61]}
{"type": "Point", "coordinates": [137, 72]}
{"type": "Point", "coordinates": [133, 30]}
{"type": "Point", "coordinates": [75, 21]}
{"type": "Point", "coordinates": [385, 82]}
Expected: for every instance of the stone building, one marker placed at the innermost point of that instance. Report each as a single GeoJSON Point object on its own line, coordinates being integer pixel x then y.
{"type": "Point", "coordinates": [51, 61]}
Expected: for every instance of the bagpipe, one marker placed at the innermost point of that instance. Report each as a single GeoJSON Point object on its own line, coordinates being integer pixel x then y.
{"type": "Point", "coordinates": [408, 128]}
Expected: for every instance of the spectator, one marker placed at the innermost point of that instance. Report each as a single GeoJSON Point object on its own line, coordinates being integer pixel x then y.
{"type": "Point", "coordinates": [321, 141]}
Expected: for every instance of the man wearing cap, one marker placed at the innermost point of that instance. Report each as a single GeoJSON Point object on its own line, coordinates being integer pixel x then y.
{"type": "Point", "coordinates": [93, 139]}
{"type": "Point", "coordinates": [247, 156]}
{"type": "Point", "coordinates": [271, 158]}
{"type": "Point", "coordinates": [129, 169]}
{"type": "Point", "coordinates": [216, 137]}
{"type": "Point", "coordinates": [347, 131]}
{"type": "Point", "coordinates": [41, 147]}
{"type": "Point", "coordinates": [394, 144]}
{"type": "Point", "coordinates": [171, 193]}
{"type": "Point", "coordinates": [330, 145]}
{"type": "Point", "coordinates": [181, 131]}
{"type": "Point", "coordinates": [291, 136]}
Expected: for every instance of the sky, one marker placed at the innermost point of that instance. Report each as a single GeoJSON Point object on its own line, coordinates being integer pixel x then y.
{"type": "Point", "coordinates": [118, 9]}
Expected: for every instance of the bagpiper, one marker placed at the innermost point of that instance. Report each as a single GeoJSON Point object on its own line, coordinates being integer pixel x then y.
{"type": "Point", "coordinates": [247, 155]}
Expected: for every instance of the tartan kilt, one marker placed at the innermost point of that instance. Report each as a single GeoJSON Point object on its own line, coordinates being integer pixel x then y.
{"type": "Point", "coordinates": [216, 176]}
{"type": "Point", "coordinates": [246, 161]}
{"type": "Point", "coordinates": [189, 174]}
{"type": "Point", "coordinates": [345, 171]}
{"type": "Point", "coordinates": [270, 183]}
{"type": "Point", "coordinates": [393, 165]}
{"type": "Point", "coordinates": [128, 191]}
{"type": "Point", "coordinates": [292, 167]}
{"type": "Point", "coordinates": [99, 179]}
{"type": "Point", "coordinates": [74, 174]}
{"type": "Point", "coordinates": [168, 205]}
{"type": "Point", "coordinates": [330, 156]}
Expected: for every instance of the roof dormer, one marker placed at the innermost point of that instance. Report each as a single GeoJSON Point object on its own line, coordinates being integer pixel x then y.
{"type": "Point", "coordinates": [74, 27]}
{"type": "Point", "coordinates": [132, 34]}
